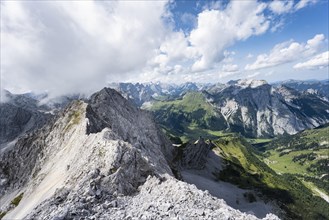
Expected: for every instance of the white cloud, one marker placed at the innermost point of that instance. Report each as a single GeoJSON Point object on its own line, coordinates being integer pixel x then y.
{"type": "Point", "coordinates": [287, 52]}
{"type": "Point", "coordinates": [209, 5]}
{"type": "Point", "coordinates": [206, 46]}
{"type": "Point", "coordinates": [173, 49]}
{"type": "Point", "coordinates": [230, 68]}
{"type": "Point", "coordinates": [280, 7]}
{"type": "Point", "coordinates": [71, 46]}
{"type": "Point", "coordinates": [228, 56]}
{"type": "Point", "coordinates": [74, 46]}
{"type": "Point", "coordinates": [316, 62]}
{"type": "Point", "coordinates": [314, 43]}
{"type": "Point", "coordinates": [217, 30]}
{"type": "Point", "coordinates": [303, 3]}
{"type": "Point", "coordinates": [3, 96]}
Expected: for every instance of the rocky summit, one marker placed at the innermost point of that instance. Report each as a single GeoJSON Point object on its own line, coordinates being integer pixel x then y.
{"type": "Point", "coordinates": [101, 159]}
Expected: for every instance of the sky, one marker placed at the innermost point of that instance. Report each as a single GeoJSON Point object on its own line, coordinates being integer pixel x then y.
{"type": "Point", "coordinates": [66, 47]}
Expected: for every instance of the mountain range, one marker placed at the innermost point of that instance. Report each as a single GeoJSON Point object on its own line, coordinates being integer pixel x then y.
{"type": "Point", "coordinates": [252, 107]}
{"type": "Point", "coordinates": [103, 158]}
{"type": "Point", "coordinates": [135, 152]}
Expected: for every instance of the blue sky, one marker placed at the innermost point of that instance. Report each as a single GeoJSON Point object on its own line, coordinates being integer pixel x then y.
{"type": "Point", "coordinates": [300, 25]}
{"type": "Point", "coordinates": [72, 46]}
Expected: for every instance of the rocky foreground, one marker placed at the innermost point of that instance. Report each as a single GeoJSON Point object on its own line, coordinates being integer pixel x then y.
{"type": "Point", "coordinates": [101, 159]}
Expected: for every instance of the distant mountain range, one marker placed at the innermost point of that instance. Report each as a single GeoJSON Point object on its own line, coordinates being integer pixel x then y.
{"type": "Point", "coordinates": [320, 88]}
{"type": "Point", "coordinates": [252, 107]}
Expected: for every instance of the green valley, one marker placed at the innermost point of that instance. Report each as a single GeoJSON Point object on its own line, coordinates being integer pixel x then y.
{"type": "Point", "coordinates": [305, 154]}
{"type": "Point", "coordinates": [245, 169]}
{"type": "Point", "coordinates": [189, 117]}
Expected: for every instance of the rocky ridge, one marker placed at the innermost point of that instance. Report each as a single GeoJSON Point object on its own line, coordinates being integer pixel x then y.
{"type": "Point", "coordinates": [99, 160]}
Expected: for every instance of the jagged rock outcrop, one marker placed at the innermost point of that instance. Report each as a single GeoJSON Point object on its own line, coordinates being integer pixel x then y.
{"type": "Point", "coordinates": [99, 160]}
{"type": "Point", "coordinates": [132, 124]}
{"type": "Point", "coordinates": [195, 154]}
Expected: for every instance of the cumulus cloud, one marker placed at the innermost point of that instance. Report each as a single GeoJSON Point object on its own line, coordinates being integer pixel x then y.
{"type": "Point", "coordinates": [78, 46]}
{"type": "Point", "coordinates": [218, 29]}
{"type": "Point", "coordinates": [74, 46]}
{"type": "Point", "coordinates": [175, 48]}
{"type": "Point", "coordinates": [286, 6]}
{"type": "Point", "coordinates": [316, 62]}
{"type": "Point", "coordinates": [206, 45]}
{"type": "Point", "coordinates": [287, 52]}
{"type": "Point", "coordinates": [280, 7]}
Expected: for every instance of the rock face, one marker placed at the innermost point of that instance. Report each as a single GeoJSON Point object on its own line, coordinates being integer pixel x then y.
{"type": "Point", "coordinates": [256, 109]}
{"type": "Point", "coordinates": [195, 154]}
{"type": "Point", "coordinates": [19, 114]}
{"type": "Point", "coordinates": [101, 159]}
{"type": "Point", "coordinates": [108, 108]}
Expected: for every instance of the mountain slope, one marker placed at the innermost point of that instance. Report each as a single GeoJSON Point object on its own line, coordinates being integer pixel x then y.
{"type": "Point", "coordinates": [293, 197]}
{"type": "Point", "coordinates": [256, 109]}
{"type": "Point", "coordinates": [230, 166]}
{"type": "Point", "coordinates": [19, 114]}
{"type": "Point", "coordinates": [305, 154]}
{"type": "Point", "coordinates": [188, 116]}
{"type": "Point", "coordinates": [101, 159]}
